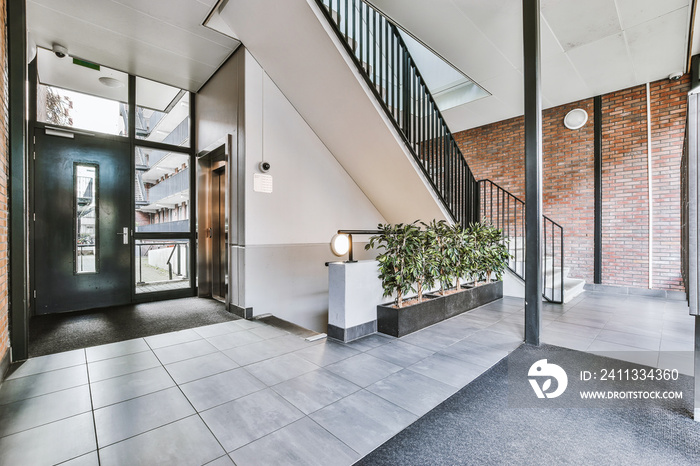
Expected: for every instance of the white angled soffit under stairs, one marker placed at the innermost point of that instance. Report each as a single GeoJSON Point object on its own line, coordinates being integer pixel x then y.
{"type": "Point", "coordinates": [300, 52]}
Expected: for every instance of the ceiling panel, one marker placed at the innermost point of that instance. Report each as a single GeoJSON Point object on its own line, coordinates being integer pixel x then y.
{"type": "Point", "coordinates": [173, 48]}
{"type": "Point", "coordinates": [634, 12]}
{"type": "Point", "coordinates": [657, 47]}
{"type": "Point", "coordinates": [580, 22]}
{"type": "Point", "coordinates": [561, 82]}
{"type": "Point", "coordinates": [605, 64]}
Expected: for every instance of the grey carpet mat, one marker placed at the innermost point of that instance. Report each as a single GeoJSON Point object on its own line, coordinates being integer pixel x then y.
{"type": "Point", "coordinates": [478, 425]}
{"type": "Point", "coordinates": [55, 333]}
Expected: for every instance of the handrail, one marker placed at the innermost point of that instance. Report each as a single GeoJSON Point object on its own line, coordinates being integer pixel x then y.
{"type": "Point", "coordinates": [507, 212]}
{"type": "Point", "coordinates": [383, 59]}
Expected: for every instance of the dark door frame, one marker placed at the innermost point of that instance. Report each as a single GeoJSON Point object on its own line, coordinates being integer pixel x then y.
{"type": "Point", "coordinates": [21, 306]}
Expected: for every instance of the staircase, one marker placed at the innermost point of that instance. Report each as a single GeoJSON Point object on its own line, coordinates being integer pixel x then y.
{"type": "Point", "coordinates": [507, 212]}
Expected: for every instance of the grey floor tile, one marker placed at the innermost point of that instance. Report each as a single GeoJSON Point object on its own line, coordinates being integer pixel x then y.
{"type": "Point", "coordinates": [585, 320]}
{"type": "Point", "coordinates": [628, 339]}
{"type": "Point", "coordinates": [221, 388]}
{"type": "Point", "coordinates": [682, 361]}
{"type": "Point", "coordinates": [326, 353]}
{"type": "Point", "coordinates": [256, 352]}
{"type": "Point", "coordinates": [125, 387]}
{"type": "Point", "coordinates": [624, 353]}
{"type": "Point", "coordinates": [90, 459]}
{"type": "Point", "coordinates": [431, 339]}
{"type": "Point", "coordinates": [47, 363]}
{"type": "Point", "coordinates": [576, 330]}
{"type": "Point", "coordinates": [172, 338]}
{"type": "Point", "coordinates": [60, 441]}
{"type": "Point", "coordinates": [413, 392]}
{"type": "Point", "coordinates": [498, 340]}
{"type": "Point", "coordinates": [363, 420]}
{"type": "Point", "coordinates": [187, 441]}
{"type": "Point", "coordinates": [514, 329]}
{"type": "Point", "coordinates": [233, 340]}
{"type": "Point", "coordinates": [267, 331]}
{"type": "Point", "coordinates": [303, 443]}
{"type": "Point", "coordinates": [41, 384]}
{"type": "Point", "coordinates": [475, 353]}
{"type": "Point", "coordinates": [33, 412]}
{"type": "Point", "coordinates": [369, 342]}
{"type": "Point", "coordinates": [249, 418]}
{"type": "Point", "coordinates": [363, 369]}
{"type": "Point", "coordinates": [113, 350]}
{"type": "Point", "coordinates": [120, 421]}
{"type": "Point", "coordinates": [191, 349]}
{"type": "Point", "coordinates": [565, 340]}
{"type": "Point", "coordinates": [277, 370]}
{"type": "Point", "coordinates": [223, 461]}
{"type": "Point", "coordinates": [248, 324]}
{"type": "Point", "coordinates": [200, 367]}
{"type": "Point", "coordinates": [400, 353]}
{"type": "Point", "coordinates": [675, 345]}
{"type": "Point", "coordinates": [114, 367]}
{"type": "Point", "coordinates": [209, 331]}
{"type": "Point", "coordinates": [445, 369]}
{"type": "Point", "coordinates": [315, 390]}
{"type": "Point", "coordinates": [649, 330]}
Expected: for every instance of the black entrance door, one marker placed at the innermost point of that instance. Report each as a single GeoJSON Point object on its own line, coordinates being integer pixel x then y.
{"type": "Point", "coordinates": [82, 198]}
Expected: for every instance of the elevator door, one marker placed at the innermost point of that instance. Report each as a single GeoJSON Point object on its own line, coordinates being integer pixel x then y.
{"type": "Point", "coordinates": [219, 233]}
{"type": "Point", "coordinates": [82, 198]}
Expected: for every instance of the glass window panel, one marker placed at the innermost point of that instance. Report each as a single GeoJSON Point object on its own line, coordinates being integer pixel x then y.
{"type": "Point", "coordinates": [162, 113]}
{"type": "Point", "coordinates": [162, 265]}
{"type": "Point", "coordinates": [86, 231]}
{"type": "Point", "coordinates": [162, 196]}
{"type": "Point", "coordinates": [60, 107]}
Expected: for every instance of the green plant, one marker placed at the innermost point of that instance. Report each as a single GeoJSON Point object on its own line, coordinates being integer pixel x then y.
{"type": "Point", "coordinates": [444, 248]}
{"type": "Point", "coordinates": [493, 252]}
{"type": "Point", "coordinates": [401, 261]}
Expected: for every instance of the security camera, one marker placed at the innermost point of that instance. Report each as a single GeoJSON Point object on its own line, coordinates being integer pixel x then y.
{"type": "Point", "coordinates": [264, 167]}
{"type": "Point", "coordinates": [59, 50]}
{"type": "Point", "coordinates": [675, 76]}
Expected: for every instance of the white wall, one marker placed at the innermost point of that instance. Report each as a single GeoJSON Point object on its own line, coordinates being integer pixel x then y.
{"type": "Point", "coordinates": [287, 232]}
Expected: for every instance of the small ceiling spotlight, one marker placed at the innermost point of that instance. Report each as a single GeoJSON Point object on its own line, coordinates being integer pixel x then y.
{"type": "Point", "coordinates": [576, 118]}
{"type": "Point", "coordinates": [675, 76]}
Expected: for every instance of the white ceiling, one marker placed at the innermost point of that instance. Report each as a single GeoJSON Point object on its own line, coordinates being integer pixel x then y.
{"type": "Point", "coordinates": [588, 47]}
{"type": "Point", "coordinates": [163, 40]}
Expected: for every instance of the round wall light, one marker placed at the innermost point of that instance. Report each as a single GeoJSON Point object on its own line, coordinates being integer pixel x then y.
{"type": "Point", "coordinates": [340, 244]}
{"type": "Point", "coordinates": [576, 118]}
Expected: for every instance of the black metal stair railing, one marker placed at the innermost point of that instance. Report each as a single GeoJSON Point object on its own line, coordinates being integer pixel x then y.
{"type": "Point", "coordinates": [507, 212]}
{"type": "Point", "coordinates": [383, 59]}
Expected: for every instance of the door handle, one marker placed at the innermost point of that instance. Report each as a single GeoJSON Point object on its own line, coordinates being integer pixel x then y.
{"type": "Point", "coordinates": [209, 232]}
{"type": "Point", "coordinates": [125, 235]}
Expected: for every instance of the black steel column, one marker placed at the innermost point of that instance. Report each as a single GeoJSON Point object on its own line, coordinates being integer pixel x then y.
{"type": "Point", "coordinates": [17, 75]}
{"type": "Point", "coordinates": [598, 189]}
{"type": "Point", "coordinates": [533, 172]}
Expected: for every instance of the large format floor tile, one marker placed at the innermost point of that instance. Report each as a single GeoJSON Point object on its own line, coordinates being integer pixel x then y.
{"type": "Point", "coordinates": [303, 443]}
{"type": "Point", "coordinates": [363, 420]}
{"type": "Point", "coordinates": [220, 388]}
{"type": "Point", "coordinates": [315, 390]}
{"type": "Point", "coordinates": [41, 384]}
{"type": "Point", "coordinates": [363, 369]}
{"type": "Point", "coordinates": [187, 441]}
{"type": "Point", "coordinates": [50, 443]}
{"type": "Point", "coordinates": [249, 418]}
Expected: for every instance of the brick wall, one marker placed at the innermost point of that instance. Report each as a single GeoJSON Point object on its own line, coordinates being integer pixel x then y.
{"type": "Point", "coordinates": [495, 152]}
{"type": "Point", "coordinates": [4, 174]}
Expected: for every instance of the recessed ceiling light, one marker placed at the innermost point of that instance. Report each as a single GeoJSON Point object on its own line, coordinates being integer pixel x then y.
{"type": "Point", "coordinates": [111, 82]}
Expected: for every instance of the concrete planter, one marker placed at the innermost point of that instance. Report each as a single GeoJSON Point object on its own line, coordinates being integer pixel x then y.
{"type": "Point", "coordinates": [408, 319]}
